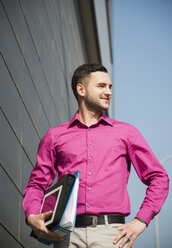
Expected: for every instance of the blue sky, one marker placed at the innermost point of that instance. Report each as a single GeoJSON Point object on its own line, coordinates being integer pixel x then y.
{"type": "Point", "coordinates": [142, 53]}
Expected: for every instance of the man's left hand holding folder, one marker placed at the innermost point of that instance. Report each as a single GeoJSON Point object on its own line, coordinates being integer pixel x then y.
{"type": "Point", "coordinates": [37, 223]}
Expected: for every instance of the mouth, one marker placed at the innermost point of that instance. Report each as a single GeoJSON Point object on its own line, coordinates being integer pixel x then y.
{"type": "Point", "coordinates": [106, 99]}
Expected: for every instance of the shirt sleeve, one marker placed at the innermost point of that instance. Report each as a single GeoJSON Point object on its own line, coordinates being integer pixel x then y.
{"type": "Point", "coordinates": [151, 173]}
{"type": "Point", "coordinates": [41, 177]}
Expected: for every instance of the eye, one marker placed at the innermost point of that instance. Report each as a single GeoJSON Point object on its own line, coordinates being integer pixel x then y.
{"type": "Point", "coordinates": [102, 85]}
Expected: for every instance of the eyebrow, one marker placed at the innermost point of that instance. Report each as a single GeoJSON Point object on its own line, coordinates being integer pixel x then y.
{"type": "Point", "coordinates": [102, 83]}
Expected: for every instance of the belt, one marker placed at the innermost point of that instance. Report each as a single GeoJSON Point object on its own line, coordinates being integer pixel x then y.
{"type": "Point", "coordinates": [94, 220]}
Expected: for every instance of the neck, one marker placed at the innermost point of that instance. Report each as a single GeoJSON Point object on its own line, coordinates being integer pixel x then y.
{"type": "Point", "coordinates": [89, 117]}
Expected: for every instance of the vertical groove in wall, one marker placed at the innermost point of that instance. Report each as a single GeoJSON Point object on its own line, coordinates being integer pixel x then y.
{"type": "Point", "coordinates": [65, 79]}
{"type": "Point", "coordinates": [48, 50]}
{"type": "Point", "coordinates": [28, 72]}
{"type": "Point", "coordinates": [40, 61]}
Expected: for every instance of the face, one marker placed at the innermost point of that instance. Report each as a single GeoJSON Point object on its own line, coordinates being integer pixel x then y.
{"type": "Point", "coordinates": [97, 93]}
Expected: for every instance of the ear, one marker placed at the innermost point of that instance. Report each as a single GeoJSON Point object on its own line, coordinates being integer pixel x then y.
{"type": "Point", "coordinates": [80, 90]}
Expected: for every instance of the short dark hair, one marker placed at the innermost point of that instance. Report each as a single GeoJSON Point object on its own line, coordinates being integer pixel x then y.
{"type": "Point", "coordinates": [84, 71]}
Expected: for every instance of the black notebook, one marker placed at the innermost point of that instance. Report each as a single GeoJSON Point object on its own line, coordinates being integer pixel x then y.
{"type": "Point", "coordinates": [61, 198]}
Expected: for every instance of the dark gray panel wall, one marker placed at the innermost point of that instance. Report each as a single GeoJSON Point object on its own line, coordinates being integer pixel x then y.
{"type": "Point", "coordinates": [41, 43]}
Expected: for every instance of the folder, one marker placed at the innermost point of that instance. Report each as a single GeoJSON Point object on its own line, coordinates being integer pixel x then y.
{"type": "Point", "coordinates": [61, 198]}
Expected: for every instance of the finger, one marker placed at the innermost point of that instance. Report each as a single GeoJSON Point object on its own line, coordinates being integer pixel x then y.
{"type": "Point", "coordinates": [46, 215]}
{"type": "Point", "coordinates": [131, 242]}
{"type": "Point", "coordinates": [124, 241]}
{"type": "Point", "coordinates": [54, 236]}
{"type": "Point", "coordinates": [44, 233]}
{"type": "Point", "coordinates": [119, 236]}
{"type": "Point", "coordinates": [121, 227]}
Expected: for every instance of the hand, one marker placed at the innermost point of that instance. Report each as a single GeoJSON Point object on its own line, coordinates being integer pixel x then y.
{"type": "Point", "coordinates": [37, 223]}
{"type": "Point", "coordinates": [130, 230]}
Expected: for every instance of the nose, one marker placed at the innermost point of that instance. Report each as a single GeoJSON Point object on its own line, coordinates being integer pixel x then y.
{"type": "Point", "coordinates": [108, 91]}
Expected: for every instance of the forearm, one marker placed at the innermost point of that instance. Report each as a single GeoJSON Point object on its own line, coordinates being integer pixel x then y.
{"type": "Point", "coordinates": [150, 172]}
{"type": "Point", "coordinates": [32, 200]}
{"type": "Point", "coordinates": [156, 194]}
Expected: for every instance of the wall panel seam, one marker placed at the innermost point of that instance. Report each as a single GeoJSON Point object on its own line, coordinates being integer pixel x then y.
{"type": "Point", "coordinates": [21, 97]}
{"type": "Point", "coordinates": [3, 167]}
{"type": "Point", "coordinates": [12, 235]}
{"type": "Point", "coordinates": [63, 72]}
{"type": "Point", "coordinates": [57, 49]}
{"type": "Point", "coordinates": [57, 53]}
{"type": "Point", "coordinates": [27, 70]}
{"type": "Point", "coordinates": [17, 137]}
{"type": "Point", "coordinates": [46, 79]}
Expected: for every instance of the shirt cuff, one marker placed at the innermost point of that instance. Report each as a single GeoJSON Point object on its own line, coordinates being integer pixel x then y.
{"type": "Point", "coordinates": [29, 212]}
{"type": "Point", "coordinates": [141, 220]}
{"type": "Point", "coordinates": [145, 214]}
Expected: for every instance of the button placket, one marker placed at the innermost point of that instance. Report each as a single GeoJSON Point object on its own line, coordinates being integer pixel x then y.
{"type": "Point", "coordinates": [89, 167]}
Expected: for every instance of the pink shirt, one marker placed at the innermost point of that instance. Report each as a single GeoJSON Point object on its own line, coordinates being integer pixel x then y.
{"type": "Point", "coordinates": [103, 153]}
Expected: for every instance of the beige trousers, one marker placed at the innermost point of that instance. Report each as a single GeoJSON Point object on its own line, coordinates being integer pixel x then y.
{"type": "Point", "coordinates": [101, 236]}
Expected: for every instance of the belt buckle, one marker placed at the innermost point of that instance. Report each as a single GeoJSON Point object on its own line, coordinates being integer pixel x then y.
{"type": "Point", "coordinates": [94, 221]}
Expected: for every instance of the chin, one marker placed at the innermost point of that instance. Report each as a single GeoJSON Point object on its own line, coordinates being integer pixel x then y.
{"type": "Point", "coordinates": [105, 107]}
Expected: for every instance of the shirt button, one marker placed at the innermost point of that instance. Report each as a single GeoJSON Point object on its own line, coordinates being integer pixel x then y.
{"type": "Point", "coordinates": [88, 205]}
{"type": "Point", "coordinates": [89, 189]}
{"type": "Point", "coordinates": [89, 158]}
{"type": "Point", "coordinates": [89, 173]}
{"type": "Point", "coordinates": [89, 143]}
{"type": "Point", "coordinates": [89, 128]}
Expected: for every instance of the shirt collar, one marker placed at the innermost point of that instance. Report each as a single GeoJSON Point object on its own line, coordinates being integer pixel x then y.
{"type": "Point", "coordinates": [106, 119]}
{"type": "Point", "coordinates": [103, 117]}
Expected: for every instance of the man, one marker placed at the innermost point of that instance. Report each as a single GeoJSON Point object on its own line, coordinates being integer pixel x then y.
{"type": "Point", "coordinates": [102, 149]}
